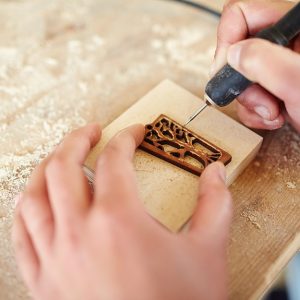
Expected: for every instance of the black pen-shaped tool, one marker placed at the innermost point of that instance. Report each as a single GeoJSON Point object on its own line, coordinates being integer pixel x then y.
{"type": "Point", "coordinates": [228, 83]}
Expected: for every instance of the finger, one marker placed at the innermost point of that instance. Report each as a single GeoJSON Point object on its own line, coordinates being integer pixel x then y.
{"type": "Point", "coordinates": [273, 67]}
{"type": "Point", "coordinates": [26, 256]}
{"type": "Point", "coordinates": [296, 44]}
{"type": "Point", "coordinates": [294, 123]}
{"type": "Point", "coordinates": [251, 17]}
{"type": "Point", "coordinates": [68, 188]}
{"type": "Point", "coordinates": [211, 220]}
{"type": "Point", "coordinates": [260, 101]}
{"type": "Point", "coordinates": [115, 177]}
{"type": "Point", "coordinates": [36, 210]}
{"type": "Point", "coordinates": [253, 120]}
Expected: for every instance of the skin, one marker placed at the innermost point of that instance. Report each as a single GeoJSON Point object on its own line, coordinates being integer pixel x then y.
{"type": "Point", "coordinates": [71, 244]}
{"type": "Point", "coordinates": [274, 98]}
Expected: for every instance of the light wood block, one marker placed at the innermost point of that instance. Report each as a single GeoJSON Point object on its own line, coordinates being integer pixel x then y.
{"type": "Point", "coordinates": [168, 192]}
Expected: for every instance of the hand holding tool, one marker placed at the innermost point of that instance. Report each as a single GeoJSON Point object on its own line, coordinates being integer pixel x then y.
{"type": "Point", "coordinates": [228, 83]}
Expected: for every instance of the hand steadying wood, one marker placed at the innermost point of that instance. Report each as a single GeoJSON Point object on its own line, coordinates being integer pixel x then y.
{"type": "Point", "coordinates": [72, 245]}
{"type": "Point", "coordinates": [77, 247]}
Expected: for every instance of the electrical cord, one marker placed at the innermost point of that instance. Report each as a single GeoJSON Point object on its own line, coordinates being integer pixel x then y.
{"type": "Point", "coordinates": [199, 7]}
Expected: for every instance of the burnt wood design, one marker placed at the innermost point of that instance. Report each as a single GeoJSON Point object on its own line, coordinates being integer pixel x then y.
{"type": "Point", "coordinates": [170, 141]}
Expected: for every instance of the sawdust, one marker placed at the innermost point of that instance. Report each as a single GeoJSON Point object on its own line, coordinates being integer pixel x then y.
{"type": "Point", "coordinates": [251, 217]}
{"type": "Point", "coordinates": [291, 185]}
{"type": "Point", "coordinates": [184, 48]}
{"type": "Point", "coordinates": [277, 164]}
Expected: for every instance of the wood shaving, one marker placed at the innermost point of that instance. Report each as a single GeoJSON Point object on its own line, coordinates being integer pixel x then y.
{"type": "Point", "coordinates": [291, 185]}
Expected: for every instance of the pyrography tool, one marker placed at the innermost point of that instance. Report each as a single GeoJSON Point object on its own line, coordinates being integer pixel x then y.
{"type": "Point", "coordinates": [228, 83]}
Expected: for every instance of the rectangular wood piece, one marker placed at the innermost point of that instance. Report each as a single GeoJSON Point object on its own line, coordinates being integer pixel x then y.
{"type": "Point", "coordinates": [172, 142]}
{"type": "Point", "coordinates": [168, 192]}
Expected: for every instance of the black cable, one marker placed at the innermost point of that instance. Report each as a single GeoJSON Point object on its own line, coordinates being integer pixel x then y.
{"type": "Point", "coordinates": [200, 7]}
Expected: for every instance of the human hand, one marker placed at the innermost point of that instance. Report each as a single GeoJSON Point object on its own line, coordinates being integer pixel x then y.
{"type": "Point", "coordinates": [71, 244]}
{"type": "Point", "coordinates": [276, 70]}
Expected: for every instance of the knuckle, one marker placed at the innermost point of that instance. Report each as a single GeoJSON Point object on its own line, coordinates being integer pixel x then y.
{"type": "Point", "coordinates": [110, 154]}
{"type": "Point", "coordinates": [70, 232]}
{"type": "Point", "coordinates": [85, 142]}
{"type": "Point", "coordinates": [84, 139]}
{"type": "Point", "coordinates": [112, 222]}
{"type": "Point", "coordinates": [82, 145]}
{"type": "Point", "coordinates": [79, 134]}
{"type": "Point", "coordinates": [113, 148]}
{"type": "Point", "coordinates": [56, 164]}
{"type": "Point", "coordinates": [75, 134]}
{"type": "Point", "coordinates": [248, 48]}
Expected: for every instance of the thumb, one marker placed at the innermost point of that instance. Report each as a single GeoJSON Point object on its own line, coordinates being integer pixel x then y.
{"type": "Point", "coordinates": [212, 217]}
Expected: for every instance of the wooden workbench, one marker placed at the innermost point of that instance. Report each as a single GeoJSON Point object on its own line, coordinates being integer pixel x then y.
{"type": "Point", "coordinates": [66, 63]}
{"type": "Point", "coordinates": [216, 5]}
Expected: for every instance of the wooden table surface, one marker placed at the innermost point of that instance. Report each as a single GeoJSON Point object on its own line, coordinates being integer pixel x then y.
{"type": "Point", "coordinates": [66, 63]}
{"type": "Point", "coordinates": [216, 5]}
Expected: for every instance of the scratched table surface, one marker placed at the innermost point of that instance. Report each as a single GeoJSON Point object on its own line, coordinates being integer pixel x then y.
{"type": "Point", "coordinates": [66, 63]}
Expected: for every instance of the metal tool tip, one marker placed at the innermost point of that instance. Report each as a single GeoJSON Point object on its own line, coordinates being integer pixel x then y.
{"type": "Point", "coordinates": [196, 114]}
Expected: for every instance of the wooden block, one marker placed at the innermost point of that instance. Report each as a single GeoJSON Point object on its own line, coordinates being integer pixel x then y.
{"type": "Point", "coordinates": [168, 192]}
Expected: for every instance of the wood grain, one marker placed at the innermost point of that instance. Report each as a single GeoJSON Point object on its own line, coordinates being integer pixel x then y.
{"type": "Point", "coordinates": [266, 227]}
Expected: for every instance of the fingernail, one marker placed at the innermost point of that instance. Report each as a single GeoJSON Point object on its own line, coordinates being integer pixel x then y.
{"type": "Point", "coordinates": [263, 112]}
{"type": "Point", "coordinates": [274, 124]}
{"type": "Point", "coordinates": [233, 55]}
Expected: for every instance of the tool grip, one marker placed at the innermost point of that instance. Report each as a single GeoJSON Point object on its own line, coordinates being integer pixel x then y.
{"type": "Point", "coordinates": [228, 83]}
